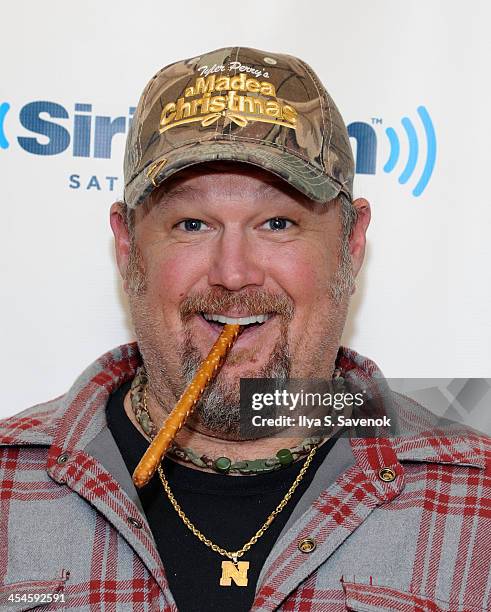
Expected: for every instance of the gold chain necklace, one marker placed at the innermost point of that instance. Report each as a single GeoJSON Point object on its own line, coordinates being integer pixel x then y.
{"type": "Point", "coordinates": [235, 570]}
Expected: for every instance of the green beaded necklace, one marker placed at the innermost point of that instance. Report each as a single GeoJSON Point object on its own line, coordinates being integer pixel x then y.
{"type": "Point", "coordinates": [223, 465]}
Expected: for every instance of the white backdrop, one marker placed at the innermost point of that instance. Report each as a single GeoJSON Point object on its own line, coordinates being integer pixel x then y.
{"type": "Point", "coordinates": [422, 306]}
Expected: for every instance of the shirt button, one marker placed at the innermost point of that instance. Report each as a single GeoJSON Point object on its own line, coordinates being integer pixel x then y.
{"type": "Point", "coordinates": [63, 458]}
{"type": "Point", "coordinates": [135, 522]}
{"type": "Point", "coordinates": [387, 474]}
{"type": "Point", "coordinates": [307, 545]}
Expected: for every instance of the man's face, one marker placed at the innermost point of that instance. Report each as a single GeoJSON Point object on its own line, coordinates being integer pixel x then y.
{"type": "Point", "coordinates": [236, 241]}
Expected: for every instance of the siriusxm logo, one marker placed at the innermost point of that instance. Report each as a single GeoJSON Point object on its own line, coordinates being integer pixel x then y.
{"type": "Point", "coordinates": [366, 149]}
{"type": "Point", "coordinates": [55, 130]}
{"type": "Point", "coordinates": [32, 117]}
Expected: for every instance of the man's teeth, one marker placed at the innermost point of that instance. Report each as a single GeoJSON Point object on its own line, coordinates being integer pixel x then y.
{"type": "Point", "coordinates": [236, 320]}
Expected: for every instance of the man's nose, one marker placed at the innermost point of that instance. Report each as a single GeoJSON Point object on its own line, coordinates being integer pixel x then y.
{"type": "Point", "coordinates": [235, 263]}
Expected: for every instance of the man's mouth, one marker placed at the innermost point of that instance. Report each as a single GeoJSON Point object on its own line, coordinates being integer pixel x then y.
{"type": "Point", "coordinates": [249, 323]}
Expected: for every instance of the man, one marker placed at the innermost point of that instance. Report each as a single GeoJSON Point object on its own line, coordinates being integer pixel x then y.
{"type": "Point", "coordinates": [238, 208]}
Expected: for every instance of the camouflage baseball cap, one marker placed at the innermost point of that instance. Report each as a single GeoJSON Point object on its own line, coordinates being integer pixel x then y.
{"type": "Point", "coordinates": [244, 105]}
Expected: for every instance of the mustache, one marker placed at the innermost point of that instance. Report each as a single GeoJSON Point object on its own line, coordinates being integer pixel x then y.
{"type": "Point", "coordinates": [255, 302]}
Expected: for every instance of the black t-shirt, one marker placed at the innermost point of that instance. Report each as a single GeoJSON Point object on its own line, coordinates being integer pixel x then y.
{"type": "Point", "coordinates": [226, 509]}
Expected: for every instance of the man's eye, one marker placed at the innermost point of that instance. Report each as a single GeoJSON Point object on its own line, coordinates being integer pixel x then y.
{"type": "Point", "coordinates": [191, 225]}
{"type": "Point", "coordinates": [278, 223]}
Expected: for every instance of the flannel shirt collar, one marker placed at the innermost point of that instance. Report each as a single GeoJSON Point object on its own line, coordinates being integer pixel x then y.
{"type": "Point", "coordinates": [70, 422]}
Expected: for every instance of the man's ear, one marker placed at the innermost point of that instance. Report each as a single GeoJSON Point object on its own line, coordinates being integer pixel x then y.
{"type": "Point", "coordinates": [357, 239]}
{"type": "Point", "coordinates": [119, 226]}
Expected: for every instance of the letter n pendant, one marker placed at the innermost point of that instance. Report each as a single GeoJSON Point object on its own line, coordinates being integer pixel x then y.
{"type": "Point", "coordinates": [236, 572]}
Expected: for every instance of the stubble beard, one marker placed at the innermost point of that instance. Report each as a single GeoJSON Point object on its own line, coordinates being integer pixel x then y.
{"type": "Point", "coordinates": [219, 412]}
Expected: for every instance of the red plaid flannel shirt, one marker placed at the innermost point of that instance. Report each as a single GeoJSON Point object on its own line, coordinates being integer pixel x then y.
{"type": "Point", "coordinates": [419, 543]}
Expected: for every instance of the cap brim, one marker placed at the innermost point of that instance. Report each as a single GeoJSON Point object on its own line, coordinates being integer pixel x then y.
{"type": "Point", "coordinates": [297, 172]}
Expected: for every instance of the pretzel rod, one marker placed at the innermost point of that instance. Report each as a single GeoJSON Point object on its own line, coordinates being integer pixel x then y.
{"type": "Point", "coordinates": [186, 404]}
